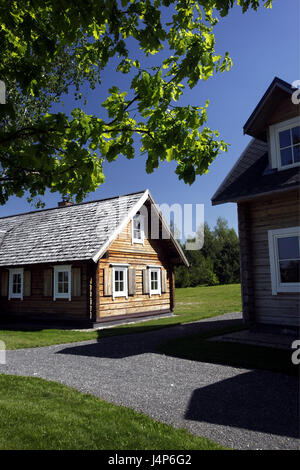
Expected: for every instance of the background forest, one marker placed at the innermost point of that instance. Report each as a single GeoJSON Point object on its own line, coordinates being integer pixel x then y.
{"type": "Point", "coordinates": [216, 263]}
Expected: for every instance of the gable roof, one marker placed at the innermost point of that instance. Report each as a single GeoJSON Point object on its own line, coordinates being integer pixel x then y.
{"type": "Point", "coordinates": [251, 176]}
{"type": "Point", "coordinates": [276, 92]}
{"type": "Point", "coordinates": [72, 233]}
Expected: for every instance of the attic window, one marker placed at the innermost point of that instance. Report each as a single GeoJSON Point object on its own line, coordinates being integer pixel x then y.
{"type": "Point", "coordinates": [285, 144]}
{"type": "Point", "coordinates": [138, 229]}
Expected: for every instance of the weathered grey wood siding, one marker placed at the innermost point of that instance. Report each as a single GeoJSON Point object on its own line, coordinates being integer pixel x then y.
{"type": "Point", "coordinates": [256, 217]}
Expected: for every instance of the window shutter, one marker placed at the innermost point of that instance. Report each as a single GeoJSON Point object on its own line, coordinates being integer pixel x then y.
{"type": "Point", "coordinates": [76, 282]}
{"type": "Point", "coordinates": [4, 284]}
{"type": "Point", "coordinates": [27, 283]}
{"type": "Point", "coordinates": [107, 288]}
{"type": "Point", "coordinates": [163, 281]}
{"type": "Point", "coordinates": [131, 281]}
{"type": "Point", "coordinates": [145, 281]}
{"type": "Point", "coordinates": [48, 283]}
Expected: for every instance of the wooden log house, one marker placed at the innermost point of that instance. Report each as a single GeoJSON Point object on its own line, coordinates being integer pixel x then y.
{"type": "Point", "coordinates": [100, 261]}
{"type": "Point", "coordinates": [265, 184]}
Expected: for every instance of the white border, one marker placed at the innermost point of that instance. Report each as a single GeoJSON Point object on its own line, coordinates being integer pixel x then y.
{"type": "Point", "coordinates": [156, 291]}
{"type": "Point", "coordinates": [275, 159]}
{"type": "Point", "coordinates": [273, 236]}
{"type": "Point", "coordinates": [57, 269]}
{"type": "Point", "coordinates": [11, 295]}
{"type": "Point", "coordinates": [142, 239]}
{"type": "Point", "coordinates": [119, 267]}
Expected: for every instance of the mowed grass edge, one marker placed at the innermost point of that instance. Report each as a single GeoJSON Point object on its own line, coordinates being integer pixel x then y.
{"type": "Point", "coordinates": [38, 414]}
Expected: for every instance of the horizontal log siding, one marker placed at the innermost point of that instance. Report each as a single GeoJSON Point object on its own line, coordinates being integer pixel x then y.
{"type": "Point", "coordinates": [138, 256]}
{"type": "Point", "coordinates": [269, 213]}
{"type": "Point", "coordinates": [38, 304]}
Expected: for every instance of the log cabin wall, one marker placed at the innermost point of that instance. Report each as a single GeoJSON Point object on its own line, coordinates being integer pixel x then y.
{"type": "Point", "coordinates": [263, 214]}
{"type": "Point", "coordinates": [39, 303]}
{"type": "Point", "coordinates": [138, 256]}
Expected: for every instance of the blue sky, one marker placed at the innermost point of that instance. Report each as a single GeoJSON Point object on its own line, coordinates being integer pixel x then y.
{"type": "Point", "coordinates": [262, 44]}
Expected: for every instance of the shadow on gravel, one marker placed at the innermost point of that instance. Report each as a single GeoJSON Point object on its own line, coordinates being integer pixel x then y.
{"type": "Point", "coordinates": [257, 401]}
{"type": "Point", "coordinates": [122, 342]}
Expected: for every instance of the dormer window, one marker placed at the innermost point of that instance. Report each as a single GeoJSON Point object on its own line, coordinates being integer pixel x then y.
{"type": "Point", "coordinates": [285, 144]}
{"type": "Point", "coordinates": [138, 229]}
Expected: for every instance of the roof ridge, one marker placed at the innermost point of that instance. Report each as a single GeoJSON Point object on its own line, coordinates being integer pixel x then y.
{"type": "Point", "coordinates": [73, 205]}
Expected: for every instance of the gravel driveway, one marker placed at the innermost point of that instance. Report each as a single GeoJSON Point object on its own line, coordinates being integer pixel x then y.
{"type": "Point", "coordinates": [239, 408]}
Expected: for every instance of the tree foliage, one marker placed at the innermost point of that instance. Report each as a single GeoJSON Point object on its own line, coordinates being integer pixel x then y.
{"type": "Point", "coordinates": [216, 263]}
{"type": "Point", "coordinates": [53, 47]}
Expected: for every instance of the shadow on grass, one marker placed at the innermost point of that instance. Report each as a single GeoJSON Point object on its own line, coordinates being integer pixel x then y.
{"type": "Point", "coordinates": [197, 348]}
{"type": "Point", "coordinates": [253, 400]}
{"type": "Point", "coordinates": [121, 342]}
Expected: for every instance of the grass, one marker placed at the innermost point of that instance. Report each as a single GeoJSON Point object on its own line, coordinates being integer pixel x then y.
{"type": "Point", "coordinates": [192, 304]}
{"type": "Point", "coordinates": [197, 348]}
{"type": "Point", "coordinates": [37, 414]}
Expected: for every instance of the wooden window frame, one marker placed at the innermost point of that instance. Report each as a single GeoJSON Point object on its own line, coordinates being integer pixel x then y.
{"type": "Point", "coordinates": [273, 236]}
{"type": "Point", "coordinates": [142, 230]}
{"type": "Point", "coordinates": [62, 295]}
{"type": "Point", "coordinates": [274, 131]}
{"type": "Point", "coordinates": [158, 270]}
{"type": "Point", "coordinates": [12, 295]}
{"type": "Point", "coordinates": [123, 293]}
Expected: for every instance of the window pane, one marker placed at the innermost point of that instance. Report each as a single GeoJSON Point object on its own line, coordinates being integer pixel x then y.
{"type": "Point", "coordinates": [137, 234]}
{"type": "Point", "coordinates": [296, 150]}
{"type": "Point", "coordinates": [288, 248]}
{"type": "Point", "coordinates": [296, 135]}
{"type": "Point", "coordinates": [285, 138]}
{"type": "Point", "coordinates": [63, 282]}
{"type": "Point", "coordinates": [286, 157]}
{"type": "Point", "coordinates": [16, 284]}
{"type": "Point", "coordinates": [290, 271]}
{"type": "Point", "coordinates": [119, 281]}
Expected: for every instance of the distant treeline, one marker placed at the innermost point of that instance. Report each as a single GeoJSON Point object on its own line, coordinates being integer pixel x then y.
{"type": "Point", "coordinates": [216, 263]}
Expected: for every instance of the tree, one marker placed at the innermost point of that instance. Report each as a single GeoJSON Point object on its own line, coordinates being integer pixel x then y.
{"type": "Point", "coordinates": [51, 47]}
{"type": "Point", "coordinates": [227, 265]}
{"type": "Point", "coordinates": [216, 263]}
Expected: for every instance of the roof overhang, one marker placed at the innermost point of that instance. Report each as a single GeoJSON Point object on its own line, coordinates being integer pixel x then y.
{"type": "Point", "coordinates": [258, 121]}
{"type": "Point", "coordinates": [250, 197]}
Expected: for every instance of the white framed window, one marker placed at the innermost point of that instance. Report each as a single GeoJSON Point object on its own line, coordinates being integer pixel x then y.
{"type": "Point", "coordinates": [16, 283]}
{"type": "Point", "coordinates": [120, 281]}
{"type": "Point", "coordinates": [284, 252]}
{"type": "Point", "coordinates": [154, 280]}
{"type": "Point", "coordinates": [285, 144]}
{"type": "Point", "coordinates": [62, 282]}
{"type": "Point", "coordinates": [138, 229]}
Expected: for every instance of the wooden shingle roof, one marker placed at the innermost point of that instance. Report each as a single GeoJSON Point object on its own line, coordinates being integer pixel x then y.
{"type": "Point", "coordinates": [62, 234]}
{"type": "Point", "coordinates": [71, 233]}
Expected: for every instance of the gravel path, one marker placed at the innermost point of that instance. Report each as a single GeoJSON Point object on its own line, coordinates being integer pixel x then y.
{"type": "Point", "coordinates": [239, 408]}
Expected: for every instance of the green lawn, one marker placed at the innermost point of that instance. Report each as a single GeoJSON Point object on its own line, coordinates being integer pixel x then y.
{"type": "Point", "coordinates": [37, 414]}
{"type": "Point", "coordinates": [197, 348]}
{"type": "Point", "coordinates": [192, 303]}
